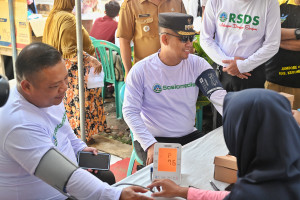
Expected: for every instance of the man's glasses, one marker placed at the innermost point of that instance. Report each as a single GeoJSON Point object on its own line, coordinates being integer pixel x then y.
{"type": "Point", "coordinates": [182, 38]}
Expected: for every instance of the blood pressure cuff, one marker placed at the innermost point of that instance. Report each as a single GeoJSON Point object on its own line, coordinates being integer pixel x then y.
{"type": "Point", "coordinates": [208, 82]}
{"type": "Point", "coordinates": [55, 169]}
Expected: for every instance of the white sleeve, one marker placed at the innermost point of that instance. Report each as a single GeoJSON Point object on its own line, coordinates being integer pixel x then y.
{"type": "Point", "coordinates": [84, 185]}
{"type": "Point", "coordinates": [27, 145]}
{"type": "Point", "coordinates": [271, 44]}
{"type": "Point", "coordinates": [203, 2]}
{"type": "Point", "coordinates": [132, 105]}
{"type": "Point", "coordinates": [217, 98]}
{"type": "Point", "coordinates": [76, 143]}
{"type": "Point", "coordinates": [207, 33]}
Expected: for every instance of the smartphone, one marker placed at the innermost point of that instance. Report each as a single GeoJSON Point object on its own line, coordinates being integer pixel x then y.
{"type": "Point", "coordinates": [87, 160]}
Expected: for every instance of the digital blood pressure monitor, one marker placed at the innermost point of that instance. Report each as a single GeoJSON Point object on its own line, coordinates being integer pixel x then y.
{"type": "Point", "coordinates": [167, 161]}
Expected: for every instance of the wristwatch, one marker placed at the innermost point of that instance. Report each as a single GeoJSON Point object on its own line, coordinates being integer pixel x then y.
{"type": "Point", "coordinates": [297, 33]}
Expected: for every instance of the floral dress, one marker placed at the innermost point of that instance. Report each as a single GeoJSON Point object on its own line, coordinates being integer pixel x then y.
{"type": "Point", "coordinates": [95, 118]}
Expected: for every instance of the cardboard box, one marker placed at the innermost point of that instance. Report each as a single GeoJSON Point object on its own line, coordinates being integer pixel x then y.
{"type": "Point", "coordinates": [38, 26]}
{"type": "Point", "coordinates": [290, 97]}
{"type": "Point", "coordinates": [225, 169]}
{"type": "Point", "coordinates": [22, 26]}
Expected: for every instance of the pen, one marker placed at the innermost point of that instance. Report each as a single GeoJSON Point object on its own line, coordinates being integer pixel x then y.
{"type": "Point", "coordinates": [214, 186]}
{"type": "Point", "coordinates": [151, 173]}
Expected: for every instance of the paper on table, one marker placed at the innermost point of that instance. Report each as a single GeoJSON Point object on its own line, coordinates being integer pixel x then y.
{"type": "Point", "coordinates": [95, 80]}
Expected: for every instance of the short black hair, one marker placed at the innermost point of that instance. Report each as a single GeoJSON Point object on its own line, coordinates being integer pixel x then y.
{"type": "Point", "coordinates": [35, 57]}
{"type": "Point", "coordinates": [112, 8]}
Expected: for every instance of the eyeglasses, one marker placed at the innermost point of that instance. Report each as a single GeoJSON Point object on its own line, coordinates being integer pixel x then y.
{"type": "Point", "coordinates": [182, 38]}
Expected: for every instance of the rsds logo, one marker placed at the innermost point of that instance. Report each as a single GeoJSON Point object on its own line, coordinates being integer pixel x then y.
{"type": "Point", "coordinates": [157, 88]}
{"type": "Point", "coordinates": [223, 16]}
{"type": "Point", "coordinates": [239, 18]}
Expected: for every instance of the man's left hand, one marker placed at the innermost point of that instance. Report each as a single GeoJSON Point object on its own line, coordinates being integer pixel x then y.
{"type": "Point", "coordinates": [95, 152]}
{"type": "Point", "coordinates": [150, 153]}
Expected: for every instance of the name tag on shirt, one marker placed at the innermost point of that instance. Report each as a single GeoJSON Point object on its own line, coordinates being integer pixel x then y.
{"type": "Point", "coordinates": [144, 15]}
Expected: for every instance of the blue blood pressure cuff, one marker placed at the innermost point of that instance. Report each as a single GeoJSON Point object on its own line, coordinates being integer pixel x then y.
{"type": "Point", "coordinates": [208, 82]}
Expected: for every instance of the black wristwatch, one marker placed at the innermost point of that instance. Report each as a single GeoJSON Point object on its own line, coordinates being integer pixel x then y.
{"type": "Point", "coordinates": [297, 33]}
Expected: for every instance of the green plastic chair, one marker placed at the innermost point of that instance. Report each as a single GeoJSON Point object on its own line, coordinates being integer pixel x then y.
{"type": "Point", "coordinates": [101, 46]}
{"type": "Point", "coordinates": [92, 38]}
{"type": "Point", "coordinates": [134, 156]}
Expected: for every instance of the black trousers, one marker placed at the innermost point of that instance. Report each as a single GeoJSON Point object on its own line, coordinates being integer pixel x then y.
{"type": "Point", "coordinates": [234, 83]}
{"type": "Point", "coordinates": [105, 176]}
{"type": "Point", "coordinates": [181, 140]}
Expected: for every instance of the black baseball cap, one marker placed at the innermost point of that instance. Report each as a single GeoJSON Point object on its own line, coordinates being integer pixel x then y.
{"type": "Point", "coordinates": [178, 22]}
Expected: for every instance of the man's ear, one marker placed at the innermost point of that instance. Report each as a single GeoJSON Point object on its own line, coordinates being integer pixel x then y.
{"type": "Point", "coordinates": [26, 86]}
{"type": "Point", "coordinates": [165, 39]}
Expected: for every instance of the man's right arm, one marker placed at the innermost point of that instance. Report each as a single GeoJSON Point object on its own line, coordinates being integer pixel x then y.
{"type": "Point", "coordinates": [207, 33]}
{"type": "Point", "coordinates": [28, 150]}
{"type": "Point", "coordinates": [125, 54]}
{"type": "Point", "coordinates": [84, 185]}
{"type": "Point", "coordinates": [132, 107]}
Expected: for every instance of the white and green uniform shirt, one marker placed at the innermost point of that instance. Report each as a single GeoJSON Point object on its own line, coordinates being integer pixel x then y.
{"type": "Point", "coordinates": [244, 28]}
{"type": "Point", "coordinates": [160, 100]}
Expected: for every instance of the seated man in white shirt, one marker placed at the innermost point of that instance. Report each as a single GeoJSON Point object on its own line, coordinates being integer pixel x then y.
{"type": "Point", "coordinates": [37, 143]}
{"type": "Point", "coordinates": [161, 93]}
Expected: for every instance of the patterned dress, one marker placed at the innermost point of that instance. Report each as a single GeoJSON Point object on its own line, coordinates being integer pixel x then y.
{"type": "Point", "coordinates": [95, 118]}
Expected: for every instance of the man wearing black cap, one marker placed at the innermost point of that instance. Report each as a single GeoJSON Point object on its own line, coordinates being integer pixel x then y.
{"type": "Point", "coordinates": [161, 93]}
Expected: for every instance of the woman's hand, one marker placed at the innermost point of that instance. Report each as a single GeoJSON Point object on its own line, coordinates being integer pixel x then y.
{"type": "Point", "coordinates": [93, 62]}
{"type": "Point", "coordinates": [168, 188]}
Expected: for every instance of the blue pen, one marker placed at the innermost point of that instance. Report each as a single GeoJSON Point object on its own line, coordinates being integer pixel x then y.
{"type": "Point", "coordinates": [151, 173]}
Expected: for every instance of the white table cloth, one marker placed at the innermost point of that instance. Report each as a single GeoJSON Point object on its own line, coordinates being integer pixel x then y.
{"type": "Point", "coordinates": [197, 164]}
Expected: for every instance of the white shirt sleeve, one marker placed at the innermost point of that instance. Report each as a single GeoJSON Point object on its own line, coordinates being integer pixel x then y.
{"type": "Point", "coordinates": [271, 44]}
{"type": "Point", "coordinates": [76, 143]}
{"type": "Point", "coordinates": [27, 145]}
{"type": "Point", "coordinates": [83, 185]}
{"type": "Point", "coordinates": [217, 98]}
{"type": "Point", "coordinates": [203, 2]}
{"type": "Point", "coordinates": [207, 33]}
{"type": "Point", "coordinates": [132, 105]}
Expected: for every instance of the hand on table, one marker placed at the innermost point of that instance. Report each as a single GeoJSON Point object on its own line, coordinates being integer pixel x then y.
{"type": "Point", "coordinates": [131, 193]}
{"type": "Point", "coordinates": [168, 188]}
{"type": "Point", "coordinates": [95, 152]}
